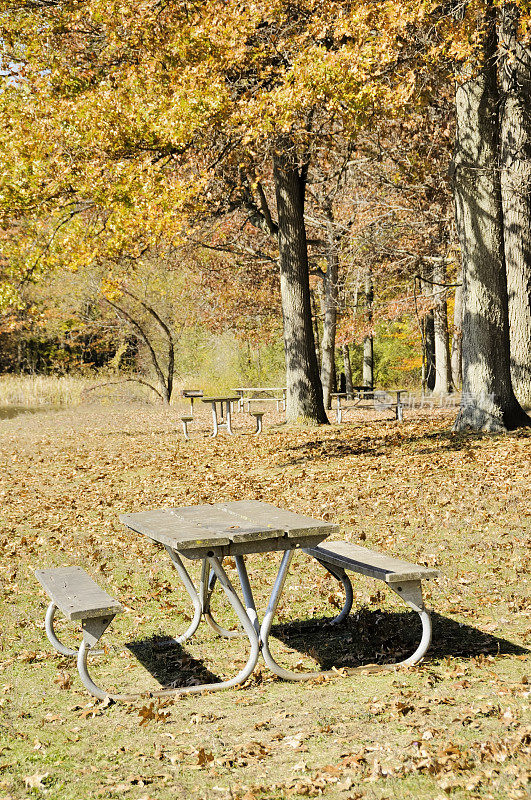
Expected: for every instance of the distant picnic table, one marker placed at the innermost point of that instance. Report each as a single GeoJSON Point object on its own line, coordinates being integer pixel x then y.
{"type": "Point", "coordinates": [249, 393]}
{"type": "Point", "coordinates": [192, 394]}
{"type": "Point", "coordinates": [381, 400]}
{"type": "Point", "coordinates": [225, 403]}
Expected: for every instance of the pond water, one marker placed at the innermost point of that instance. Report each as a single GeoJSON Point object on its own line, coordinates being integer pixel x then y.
{"type": "Point", "coordinates": [8, 412]}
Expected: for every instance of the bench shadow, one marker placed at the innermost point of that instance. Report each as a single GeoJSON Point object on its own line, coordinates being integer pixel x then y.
{"type": "Point", "coordinates": [381, 637]}
{"type": "Point", "coordinates": [169, 663]}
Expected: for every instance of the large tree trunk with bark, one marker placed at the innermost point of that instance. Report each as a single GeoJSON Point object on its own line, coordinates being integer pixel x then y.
{"type": "Point", "coordinates": [443, 378]}
{"type": "Point", "coordinates": [457, 337]}
{"type": "Point", "coordinates": [515, 152]}
{"type": "Point", "coordinates": [488, 401]}
{"type": "Point", "coordinates": [428, 331]}
{"type": "Point", "coordinates": [368, 340]}
{"type": "Point", "coordinates": [348, 370]}
{"type": "Point", "coordinates": [329, 307]}
{"type": "Point", "coordinates": [304, 390]}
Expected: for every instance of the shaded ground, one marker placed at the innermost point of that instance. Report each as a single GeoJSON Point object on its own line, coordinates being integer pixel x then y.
{"type": "Point", "coordinates": [457, 725]}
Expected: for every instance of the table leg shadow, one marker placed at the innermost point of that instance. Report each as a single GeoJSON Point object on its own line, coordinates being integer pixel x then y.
{"type": "Point", "coordinates": [381, 637]}
{"type": "Point", "coordinates": [169, 663]}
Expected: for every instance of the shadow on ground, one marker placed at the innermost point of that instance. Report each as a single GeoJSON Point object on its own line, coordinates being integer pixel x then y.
{"type": "Point", "coordinates": [386, 441]}
{"type": "Point", "coordinates": [169, 663]}
{"type": "Point", "coordinates": [367, 637]}
{"type": "Point", "coordinates": [380, 637]}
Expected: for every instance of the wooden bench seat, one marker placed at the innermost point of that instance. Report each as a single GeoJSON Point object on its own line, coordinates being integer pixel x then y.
{"type": "Point", "coordinates": [75, 593]}
{"type": "Point", "coordinates": [354, 558]}
{"type": "Point", "coordinates": [258, 418]}
{"type": "Point", "coordinates": [403, 577]}
{"type": "Point", "coordinates": [72, 591]}
{"type": "Point", "coordinates": [185, 420]}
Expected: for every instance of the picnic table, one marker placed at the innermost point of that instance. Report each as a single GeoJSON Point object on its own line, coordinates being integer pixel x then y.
{"type": "Point", "coordinates": [249, 393]}
{"type": "Point", "coordinates": [208, 534]}
{"type": "Point", "coordinates": [381, 400]}
{"type": "Point", "coordinates": [224, 401]}
{"type": "Point", "coordinates": [192, 394]}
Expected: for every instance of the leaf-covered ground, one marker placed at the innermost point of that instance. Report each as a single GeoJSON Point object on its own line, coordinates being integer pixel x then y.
{"type": "Point", "coordinates": [457, 725]}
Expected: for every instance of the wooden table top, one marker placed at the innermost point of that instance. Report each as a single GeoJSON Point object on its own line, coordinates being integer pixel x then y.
{"type": "Point", "coordinates": [222, 399]}
{"type": "Point", "coordinates": [231, 528]}
{"type": "Point", "coordinates": [260, 389]}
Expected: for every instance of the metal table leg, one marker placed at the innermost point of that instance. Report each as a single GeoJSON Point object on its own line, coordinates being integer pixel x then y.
{"type": "Point", "coordinates": [228, 417]}
{"type": "Point", "coordinates": [214, 420]}
{"type": "Point", "coordinates": [265, 629]}
{"type": "Point", "coordinates": [243, 617]}
{"type": "Point", "coordinates": [190, 588]}
{"type": "Point", "coordinates": [208, 582]}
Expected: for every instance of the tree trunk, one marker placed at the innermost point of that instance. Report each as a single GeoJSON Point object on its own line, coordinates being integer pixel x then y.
{"type": "Point", "coordinates": [328, 341]}
{"type": "Point", "coordinates": [457, 338]}
{"type": "Point", "coordinates": [428, 332]}
{"type": "Point", "coordinates": [304, 390]}
{"type": "Point", "coordinates": [368, 341]}
{"type": "Point", "coordinates": [348, 370]}
{"type": "Point", "coordinates": [443, 378]}
{"type": "Point", "coordinates": [315, 323]}
{"type": "Point", "coordinates": [515, 153]}
{"type": "Point", "coordinates": [488, 401]}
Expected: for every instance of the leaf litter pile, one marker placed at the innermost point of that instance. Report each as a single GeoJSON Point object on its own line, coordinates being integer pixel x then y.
{"type": "Point", "coordinates": [455, 726]}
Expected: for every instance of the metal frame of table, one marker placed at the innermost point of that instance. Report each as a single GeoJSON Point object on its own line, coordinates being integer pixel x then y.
{"type": "Point", "coordinates": [210, 533]}
{"type": "Point", "coordinates": [260, 390]}
{"type": "Point", "coordinates": [360, 394]}
{"type": "Point", "coordinates": [225, 421]}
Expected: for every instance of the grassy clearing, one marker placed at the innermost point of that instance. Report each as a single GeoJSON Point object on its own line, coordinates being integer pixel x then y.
{"type": "Point", "coordinates": [41, 390]}
{"type": "Point", "coordinates": [457, 725]}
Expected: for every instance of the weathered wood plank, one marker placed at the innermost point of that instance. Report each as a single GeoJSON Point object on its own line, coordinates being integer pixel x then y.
{"type": "Point", "coordinates": [167, 528]}
{"type": "Point", "coordinates": [76, 594]}
{"type": "Point", "coordinates": [355, 558]}
{"type": "Point", "coordinates": [232, 398]}
{"type": "Point", "coordinates": [221, 524]}
{"type": "Point", "coordinates": [218, 519]}
{"type": "Point", "coordinates": [269, 515]}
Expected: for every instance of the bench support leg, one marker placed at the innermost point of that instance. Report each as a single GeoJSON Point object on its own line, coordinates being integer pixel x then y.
{"type": "Point", "coordinates": [411, 593]}
{"type": "Point", "coordinates": [341, 576]}
{"type": "Point", "coordinates": [185, 430]}
{"type": "Point", "coordinates": [50, 633]}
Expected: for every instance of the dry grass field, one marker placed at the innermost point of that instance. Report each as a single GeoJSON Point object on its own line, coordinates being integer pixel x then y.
{"type": "Point", "coordinates": [455, 726]}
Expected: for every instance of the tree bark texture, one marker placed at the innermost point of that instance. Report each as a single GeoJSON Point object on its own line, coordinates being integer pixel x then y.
{"type": "Point", "coordinates": [304, 390]}
{"type": "Point", "coordinates": [515, 155]}
{"type": "Point", "coordinates": [348, 370]}
{"type": "Point", "coordinates": [457, 337]}
{"type": "Point", "coordinates": [368, 341]}
{"type": "Point", "coordinates": [488, 402]}
{"type": "Point", "coordinates": [428, 330]}
{"type": "Point", "coordinates": [328, 340]}
{"type": "Point", "coordinates": [443, 378]}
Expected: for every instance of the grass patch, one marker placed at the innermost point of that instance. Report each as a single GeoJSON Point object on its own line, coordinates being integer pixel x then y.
{"type": "Point", "coordinates": [455, 726]}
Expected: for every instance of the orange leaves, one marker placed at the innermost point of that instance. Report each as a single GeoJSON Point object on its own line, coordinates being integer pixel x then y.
{"type": "Point", "coordinates": [154, 712]}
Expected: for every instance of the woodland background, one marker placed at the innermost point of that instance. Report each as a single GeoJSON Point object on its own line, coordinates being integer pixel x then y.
{"type": "Point", "coordinates": [141, 227]}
